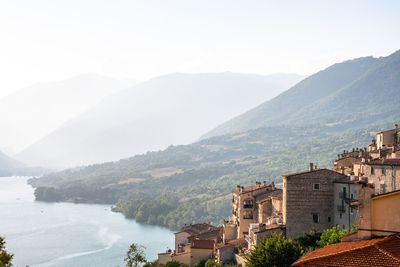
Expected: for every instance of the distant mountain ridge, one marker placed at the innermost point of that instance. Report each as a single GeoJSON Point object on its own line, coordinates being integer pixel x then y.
{"type": "Point", "coordinates": [12, 167]}
{"type": "Point", "coordinates": [170, 109]}
{"type": "Point", "coordinates": [31, 113]}
{"type": "Point", "coordinates": [354, 91]}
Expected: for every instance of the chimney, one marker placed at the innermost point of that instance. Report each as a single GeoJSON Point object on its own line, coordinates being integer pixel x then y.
{"type": "Point", "coordinates": [265, 183]}
{"type": "Point", "coordinates": [396, 126]}
{"type": "Point", "coordinates": [311, 167]}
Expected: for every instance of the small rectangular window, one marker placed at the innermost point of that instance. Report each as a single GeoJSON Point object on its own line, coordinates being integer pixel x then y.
{"type": "Point", "coordinates": [329, 219]}
{"type": "Point", "coordinates": [317, 186]}
{"type": "Point", "coordinates": [383, 171]}
{"type": "Point", "coordinates": [372, 170]}
{"type": "Point", "coordinates": [315, 217]}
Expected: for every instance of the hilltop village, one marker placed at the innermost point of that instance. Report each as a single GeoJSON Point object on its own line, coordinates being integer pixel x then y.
{"type": "Point", "coordinates": [362, 188]}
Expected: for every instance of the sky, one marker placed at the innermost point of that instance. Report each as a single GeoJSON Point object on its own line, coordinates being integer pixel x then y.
{"type": "Point", "coordinates": [47, 40]}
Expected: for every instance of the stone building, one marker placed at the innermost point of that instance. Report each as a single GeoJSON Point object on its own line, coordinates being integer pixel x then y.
{"type": "Point", "coordinates": [193, 243]}
{"type": "Point", "coordinates": [252, 204]}
{"type": "Point", "coordinates": [383, 173]}
{"type": "Point", "coordinates": [308, 199]}
{"type": "Point", "coordinates": [345, 191]}
{"type": "Point", "coordinates": [193, 252]}
{"type": "Point", "coordinates": [195, 231]}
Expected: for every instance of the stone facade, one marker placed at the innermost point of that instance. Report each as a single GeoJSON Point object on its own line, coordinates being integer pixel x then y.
{"type": "Point", "coordinates": [345, 191]}
{"type": "Point", "coordinates": [308, 199]}
{"type": "Point", "coordinates": [252, 203]}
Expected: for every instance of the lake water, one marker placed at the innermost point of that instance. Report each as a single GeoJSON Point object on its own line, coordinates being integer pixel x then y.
{"type": "Point", "coordinates": [65, 234]}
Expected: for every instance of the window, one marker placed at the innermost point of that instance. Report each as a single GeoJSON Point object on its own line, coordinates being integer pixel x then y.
{"type": "Point", "coordinates": [329, 219]}
{"type": "Point", "coordinates": [248, 215]}
{"type": "Point", "coordinates": [340, 215]}
{"type": "Point", "coordinates": [351, 210]}
{"type": "Point", "coordinates": [372, 170]}
{"type": "Point", "coordinates": [315, 217]}
{"type": "Point", "coordinates": [248, 203]}
{"type": "Point", "coordinates": [317, 186]}
{"type": "Point", "coordinates": [383, 171]}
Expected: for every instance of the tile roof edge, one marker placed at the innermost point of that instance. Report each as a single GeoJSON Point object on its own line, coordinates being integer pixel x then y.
{"type": "Point", "coordinates": [339, 253]}
{"type": "Point", "coordinates": [387, 252]}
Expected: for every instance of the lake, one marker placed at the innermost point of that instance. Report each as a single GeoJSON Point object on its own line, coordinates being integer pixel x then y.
{"type": "Point", "coordinates": [66, 234]}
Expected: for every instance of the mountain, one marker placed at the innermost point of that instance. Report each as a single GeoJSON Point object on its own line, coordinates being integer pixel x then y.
{"type": "Point", "coordinates": [12, 167]}
{"type": "Point", "coordinates": [171, 109]}
{"type": "Point", "coordinates": [31, 113]}
{"type": "Point", "coordinates": [353, 93]}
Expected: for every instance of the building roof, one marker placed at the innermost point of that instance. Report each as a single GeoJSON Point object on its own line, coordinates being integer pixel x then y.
{"type": "Point", "coordinates": [232, 243]}
{"type": "Point", "coordinates": [269, 227]}
{"type": "Point", "coordinates": [251, 188]}
{"type": "Point", "coordinates": [202, 244]}
{"type": "Point", "coordinates": [311, 171]}
{"type": "Point", "coordinates": [386, 194]}
{"type": "Point", "coordinates": [195, 229]}
{"type": "Point", "coordinates": [383, 251]}
{"type": "Point", "coordinates": [344, 180]}
{"type": "Point", "coordinates": [384, 161]}
{"type": "Point", "coordinates": [267, 195]}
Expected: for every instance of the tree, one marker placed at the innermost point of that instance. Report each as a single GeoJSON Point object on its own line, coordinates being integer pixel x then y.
{"type": "Point", "coordinates": [331, 236]}
{"type": "Point", "coordinates": [135, 255]}
{"type": "Point", "coordinates": [5, 257]}
{"type": "Point", "coordinates": [174, 263]}
{"type": "Point", "coordinates": [308, 241]}
{"type": "Point", "coordinates": [274, 251]}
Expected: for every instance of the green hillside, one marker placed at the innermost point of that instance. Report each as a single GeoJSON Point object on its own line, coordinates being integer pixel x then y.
{"type": "Point", "coordinates": [192, 183]}
{"type": "Point", "coordinates": [354, 92]}
{"type": "Point", "coordinates": [336, 109]}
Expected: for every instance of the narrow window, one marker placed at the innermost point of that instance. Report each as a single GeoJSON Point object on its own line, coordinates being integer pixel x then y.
{"type": "Point", "coordinates": [315, 217]}
{"type": "Point", "coordinates": [372, 170]}
{"type": "Point", "coordinates": [317, 186]}
{"type": "Point", "coordinates": [383, 171]}
{"type": "Point", "coordinates": [329, 219]}
{"type": "Point", "coordinates": [340, 215]}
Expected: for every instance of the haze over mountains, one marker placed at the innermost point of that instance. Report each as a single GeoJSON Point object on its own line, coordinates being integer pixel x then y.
{"type": "Point", "coordinates": [355, 92]}
{"type": "Point", "coordinates": [332, 110]}
{"type": "Point", "coordinates": [171, 109]}
{"type": "Point", "coordinates": [33, 112]}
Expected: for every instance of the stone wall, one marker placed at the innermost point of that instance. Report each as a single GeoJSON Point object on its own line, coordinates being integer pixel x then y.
{"type": "Point", "coordinates": [306, 207]}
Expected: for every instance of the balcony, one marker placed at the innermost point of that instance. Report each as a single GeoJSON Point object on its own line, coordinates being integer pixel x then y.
{"type": "Point", "coordinates": [248, 206]}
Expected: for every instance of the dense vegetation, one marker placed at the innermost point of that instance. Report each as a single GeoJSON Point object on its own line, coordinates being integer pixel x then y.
{"type": "Point", "coordinates": [192, 183]}
{"type": "Point", "coordinates": [5, 257]}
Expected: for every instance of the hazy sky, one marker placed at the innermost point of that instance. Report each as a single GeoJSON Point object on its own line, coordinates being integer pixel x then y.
{"type": "Point", "coordinates": [50, 40]}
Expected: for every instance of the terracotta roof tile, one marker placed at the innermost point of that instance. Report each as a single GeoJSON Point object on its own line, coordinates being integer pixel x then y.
{"type": "Point", "coordinates": [375, 252]}
{"type": "Point", "coordinates": [203, 244]}
{"type": "Point", "coordinates": [232, 243]}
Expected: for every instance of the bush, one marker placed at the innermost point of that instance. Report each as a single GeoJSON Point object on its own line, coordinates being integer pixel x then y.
{"type": "Point", "coordinates": [331, 236]}
{"type": "Point", "coordinates": [274, 251]}
{"type": "Point", "coordinates": [5, 257]}
{"type": "Point", "coordinates": [308, 241]}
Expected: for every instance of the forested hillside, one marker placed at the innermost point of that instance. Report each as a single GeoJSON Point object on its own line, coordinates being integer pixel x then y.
{"type": "Point", "coordinates": [351, 93]}
{"type": "Point", "coordinates": [192, 183]}
{"type": "Point", "coordinates": [336, 109]}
